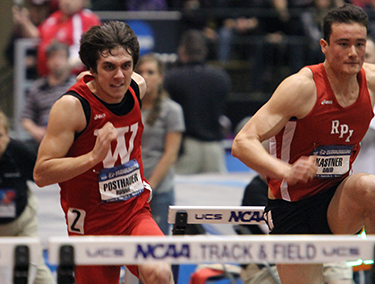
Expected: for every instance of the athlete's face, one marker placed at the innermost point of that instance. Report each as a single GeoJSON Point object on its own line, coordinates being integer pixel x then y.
{"type": "Point", "coordinates": [346, 51]}
{"type": "Point", "coordinates": [150, 72]}
{"type": "Point", "coordinates": [113, 76]}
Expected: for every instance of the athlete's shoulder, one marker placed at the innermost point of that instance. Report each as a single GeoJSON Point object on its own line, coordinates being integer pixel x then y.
{"type": "Point", "coordinates": [369, 71]}
{"type": "Point", "coordinates": [300, 82]}
{"type": "Point", "coordinates": [141, 84]}
{"type": "Point", "coordinates": [296, 95]}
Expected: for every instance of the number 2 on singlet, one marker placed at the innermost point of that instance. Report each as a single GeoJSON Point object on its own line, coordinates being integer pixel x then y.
{"type": "Point", "coordinates": [76, 220]}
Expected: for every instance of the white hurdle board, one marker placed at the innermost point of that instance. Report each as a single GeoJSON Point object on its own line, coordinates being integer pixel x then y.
{"type": "Point", "coordinates": [7, 256]}
{"type": "Point", "coordinates": [120, 250]}
{"type": "Point", "coordinates": [249, 215]}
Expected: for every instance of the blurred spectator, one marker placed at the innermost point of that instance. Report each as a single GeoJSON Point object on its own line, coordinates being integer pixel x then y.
{"type": "Point", "coordinates": [269, 37]}
{"type": "Point", "coordinates": [45, 91]}
{"type": "Point", "coordinates": [65, 25]}
{"type": "Point", "coordinates": [288, 12]}
{"type": "Point", "coordinates": [239, 26]}
{"type": "Point", "coordinates": [146, 5]}
{"type": "Point", "coordinates": [18, 204]}
{"type": "Point", "coordinates": [281, 49]}
{"type": "Point", "coordinates": [130, 5]}
{"type": "Point", "coordinates": [202, 91]}
{"type": "Point", "coordinates": [33, 11]}
{"type": "Point", "coordinates": [370, 11]}
{"type": "Point", "coordinates": [107, 5]}
{"type": "Point", "coordinates": [365, 162]}
{"type": "Point", "coordinates": [361, 3]}
{"type": "Point", "coordinates": [196, 14]}
{"type": "Point", "coordinates": [311, 20]}
{"type": "Point", "coordinates": [163, 127]}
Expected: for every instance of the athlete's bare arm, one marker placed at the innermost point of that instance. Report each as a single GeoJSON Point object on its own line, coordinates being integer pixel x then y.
{"type": "Point", "coordinates": [67, 118]}
{"type": "Point", "coordinates": [295, 97]}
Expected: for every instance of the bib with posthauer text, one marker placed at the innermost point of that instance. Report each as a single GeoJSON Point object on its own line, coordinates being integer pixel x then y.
{"type": "Point", "coordinates": [120, 183]}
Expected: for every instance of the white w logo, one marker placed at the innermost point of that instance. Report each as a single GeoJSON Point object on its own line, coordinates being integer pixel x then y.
{"type": "Point", "coordinates": [121, 149]}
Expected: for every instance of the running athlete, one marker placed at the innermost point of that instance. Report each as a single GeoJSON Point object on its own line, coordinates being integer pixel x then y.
{"type": "Point", "coordinates": [92, 148]}
{"type": "Point", "coordinates": [315, 121]}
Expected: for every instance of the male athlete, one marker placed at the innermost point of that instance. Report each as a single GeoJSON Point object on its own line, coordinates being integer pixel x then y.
{"type": "Point", "coordinates": [315, 121]}
{"type": "Point", "coordinates": [92, 148]}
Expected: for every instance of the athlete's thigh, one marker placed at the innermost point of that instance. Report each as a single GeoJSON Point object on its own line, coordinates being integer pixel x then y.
{"type": "Point", "coordinates": [345, 211]}
{"type": "Point", "coordinates": [143, 225]}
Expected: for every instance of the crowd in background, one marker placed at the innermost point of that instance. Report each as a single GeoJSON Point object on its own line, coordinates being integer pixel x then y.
{"type": "Point", "coordinates": [272, 38]}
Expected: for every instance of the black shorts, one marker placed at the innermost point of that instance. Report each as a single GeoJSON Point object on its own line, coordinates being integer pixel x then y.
{"type": "Point", "coordinates": [307, 216]}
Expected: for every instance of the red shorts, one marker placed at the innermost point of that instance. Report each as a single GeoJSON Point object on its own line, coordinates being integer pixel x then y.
{"type": "Point", "coordinates": [142, 225]}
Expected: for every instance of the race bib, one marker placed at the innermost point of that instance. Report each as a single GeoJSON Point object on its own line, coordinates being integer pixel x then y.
{"type": "Point", "coordinates": [7, 203]}
{"type": "Point", "coordinates": [332, 160]}
{"type": "Point", "coordinates": [120, 183]}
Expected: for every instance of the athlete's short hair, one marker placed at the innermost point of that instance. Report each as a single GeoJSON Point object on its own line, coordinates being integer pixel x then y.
{"type": "Point", "coordinates": [106, 37]}
{"type": "Point", "coordinates": [347, 14]}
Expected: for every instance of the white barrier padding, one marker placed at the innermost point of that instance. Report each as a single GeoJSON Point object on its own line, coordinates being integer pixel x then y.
{"type": "Point", "coordinates": [8, 245]}
{"type": "Point", "coordinates": [108, 250]}
{"type": "Point", "coordinates": [248, 215]}
{"type": "Point", "coordinates": [7, 257]}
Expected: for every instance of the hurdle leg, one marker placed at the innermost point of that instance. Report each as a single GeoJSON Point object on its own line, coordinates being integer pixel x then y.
{"type": "Point", "coordinates": [21, 265]}
{"type": "Point", "coordinates": [179, 229]}
{"type": "Point", "coordinates": [65, 270]}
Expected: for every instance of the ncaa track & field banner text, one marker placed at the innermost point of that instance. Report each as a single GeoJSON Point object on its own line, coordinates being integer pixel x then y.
{"type": "Point", "coordinates": [111, 250]}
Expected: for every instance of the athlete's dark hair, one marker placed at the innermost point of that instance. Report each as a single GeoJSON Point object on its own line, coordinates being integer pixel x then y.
{"type": "Point", "coordinates": [347, 14]}
{"type": "Point", "coordinates": [106, 37]}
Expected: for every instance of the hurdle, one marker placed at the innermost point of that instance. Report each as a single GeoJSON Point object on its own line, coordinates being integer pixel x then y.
{"type": "Point", "coordinates": [180, 249]}
{"type": "Point", "coordinates": [120, 250]}
{"type": "Point", "coordinates": [181, 216]}
{"type": "Point", "coordinates": [18, 259]}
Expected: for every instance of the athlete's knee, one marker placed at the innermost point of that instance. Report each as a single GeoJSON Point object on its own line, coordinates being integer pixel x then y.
{"type": "Point", "coordinates": [156, 274]}
{"type": "Point", "coordinates": [365, 186]}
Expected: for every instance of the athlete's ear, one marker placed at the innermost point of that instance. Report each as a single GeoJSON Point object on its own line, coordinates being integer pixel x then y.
{"type": "Point", "coordinates": [323, 45]}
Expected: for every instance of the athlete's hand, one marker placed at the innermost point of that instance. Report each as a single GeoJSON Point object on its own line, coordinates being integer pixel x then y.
{"type": "Point", "coordinates": [106, 135]}
{"type": "Point", "coordinates": [82, 74]}
{"type": "Point", "coordinates": [303, 170]}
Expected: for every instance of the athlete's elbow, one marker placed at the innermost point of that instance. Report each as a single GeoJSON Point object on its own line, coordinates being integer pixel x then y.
{"type": "Point", "coordinates": [39, 178]}
{"type": "Point", "coordinates": [236, 152]}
